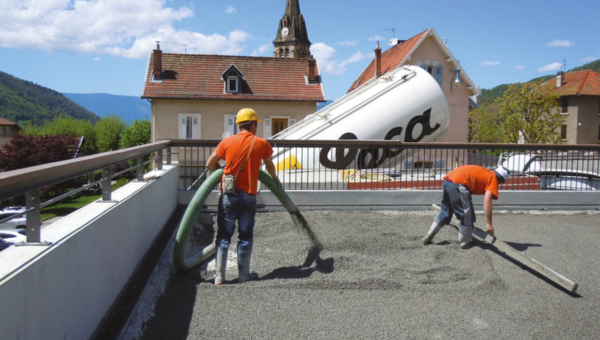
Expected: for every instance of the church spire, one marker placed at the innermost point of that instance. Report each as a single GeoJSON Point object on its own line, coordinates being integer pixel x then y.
{"type": "Point", "coordinates": [292, 39]}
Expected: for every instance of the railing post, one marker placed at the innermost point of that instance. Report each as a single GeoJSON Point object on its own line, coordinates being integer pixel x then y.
{"type": "Point", "coordinates": [34, 220]}
{"type": "Point", "coordinates": [159, 160]}
{"type": "Point", "coordinates": [106, 187]}
{"type": "Point", "coordinates": [139, 171]}
{"type": "Point", "coordinates": [168, 156]}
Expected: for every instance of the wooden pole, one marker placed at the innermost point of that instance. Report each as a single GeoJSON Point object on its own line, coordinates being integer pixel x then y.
{"type": "Point", "coordinates": [520, 257]}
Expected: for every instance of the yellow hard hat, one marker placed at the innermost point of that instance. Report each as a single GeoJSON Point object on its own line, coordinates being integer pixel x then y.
{"type": "Point", "coordinates": [245, 115]}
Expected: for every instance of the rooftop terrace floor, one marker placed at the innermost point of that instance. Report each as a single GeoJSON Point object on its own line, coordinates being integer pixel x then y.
{"type": "Point", "coordinates": [375, 279]}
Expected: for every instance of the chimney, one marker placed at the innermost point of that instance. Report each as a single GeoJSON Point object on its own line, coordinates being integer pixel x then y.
{"type": "Point", "coordinates": [377, 61]}
{"type": "Point", "coordinates": [312, 78]}
{"type": "Point", "coordinates": [560, 79]}
{"type": "Point", "coordinates": [157, 63]}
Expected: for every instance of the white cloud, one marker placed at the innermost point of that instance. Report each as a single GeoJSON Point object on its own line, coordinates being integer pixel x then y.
{"type": "Point", "coordinates": [550, 67]}
{"type": "Point", "coordinates": [231, 10]}
{"type": "Point", "coordinates": [376, 38]}
{"type": "Point", "coordinates": [560, 43]}
{"type": "Point", "coordinates": [324, 55]}
{"type": "Point", "coordinates": [490, 63]}
{"type": "Point", "coordinates": [124, 28]}
{"type": "Point", "coordinates": [97, 59]}
{"type": "Point", "coordinates": [347, 43]}
{"type": "Point", "coordinates": [261, 50]}
{"type": "Point", "coordinates": [520, 67]}
{"type": "Point", "coordinates": [589, 59]}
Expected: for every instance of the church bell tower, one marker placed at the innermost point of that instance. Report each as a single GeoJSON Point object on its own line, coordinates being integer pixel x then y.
{"type": "Point", "coordinates": [292, 40]}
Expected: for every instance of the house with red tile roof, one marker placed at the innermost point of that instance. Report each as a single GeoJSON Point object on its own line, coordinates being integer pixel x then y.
{"type": "Point", "coordinates": [428, 51]}
{"type": "Point", "coordinates": [7, 130]}
{"type": "Point", "coordinates": [198, 96]}
{"type": "Point", "coordinates": [579, 103]}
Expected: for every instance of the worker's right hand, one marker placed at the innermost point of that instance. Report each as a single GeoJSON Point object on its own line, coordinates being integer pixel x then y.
{"type": "Point", "coordinates": [490, 230]}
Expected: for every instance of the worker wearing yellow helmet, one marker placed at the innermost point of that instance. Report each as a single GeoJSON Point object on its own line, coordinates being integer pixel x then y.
{"type": "Point", "coordinates": [243, 153]}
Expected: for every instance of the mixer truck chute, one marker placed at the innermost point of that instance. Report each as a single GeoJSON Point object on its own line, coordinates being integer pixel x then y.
{"type": "Point", "coordinates": [406, 104]}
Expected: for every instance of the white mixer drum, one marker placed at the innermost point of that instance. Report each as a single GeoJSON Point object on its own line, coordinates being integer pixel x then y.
{"type": "Point", "coordinates": [406, 104]}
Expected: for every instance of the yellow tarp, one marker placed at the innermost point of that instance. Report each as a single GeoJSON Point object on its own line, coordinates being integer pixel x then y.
{"type": "Point", "coordinates": [288, 163]}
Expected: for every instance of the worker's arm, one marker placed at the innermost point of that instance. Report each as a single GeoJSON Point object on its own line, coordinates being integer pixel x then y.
{"type": "Point", "coordinates": [271, 169]}
{"type": "Point", "coordinates": [487, 208]}
{"type": "Point", "coordinates": [213, 162]}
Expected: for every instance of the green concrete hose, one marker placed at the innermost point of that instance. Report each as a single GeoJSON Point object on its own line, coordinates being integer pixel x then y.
{"type": "Point", "coordinates": [187, 222]}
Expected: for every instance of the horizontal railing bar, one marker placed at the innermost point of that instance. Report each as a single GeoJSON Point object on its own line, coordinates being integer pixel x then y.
{"type": "Point", "coordinates": [16, 182]}
{"type": "Point", "coordinates": [394, 144]}
{"type": "Point", "coordinates": [19, 214]}
{"type": "Point", "coordinates": [67, 194]}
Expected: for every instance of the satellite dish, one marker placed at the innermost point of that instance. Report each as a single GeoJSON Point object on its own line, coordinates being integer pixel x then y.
{"type": "Point", "coordinates": [393, 42]}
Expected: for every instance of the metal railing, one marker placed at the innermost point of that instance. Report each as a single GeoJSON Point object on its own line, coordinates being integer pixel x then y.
{"type": "Point", "coordinates": [30, 181]}
{"type": "Point", "coordinates": [324, 165]}
{"type": "Point", "coordinates": [391, 165]}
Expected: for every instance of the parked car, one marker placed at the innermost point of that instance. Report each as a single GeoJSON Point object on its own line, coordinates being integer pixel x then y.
{"type": "Point", "coordinates": [15, 223]}
{"type": "Point", "coordinates": [13, 236]}
{"type": "Point", "coordinates": [4, 244]}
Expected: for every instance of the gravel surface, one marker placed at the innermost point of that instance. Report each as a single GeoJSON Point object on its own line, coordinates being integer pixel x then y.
{"type": "Point", "coordinates": [375, 279]}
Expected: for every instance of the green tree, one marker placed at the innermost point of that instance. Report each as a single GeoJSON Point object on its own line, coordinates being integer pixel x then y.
{"type": "Point", "coordinates": [68, 126]}
{"type": "Point", "coordinates": [138, 133]}
{"type": "Point", "coordinates": [484, 124]}
{"type": "Point", "coordinates": [529, 114]}
{"type": "Point", "coordinates": [525, 113]}
{"type": "Point", "coordinates": [108, 133]}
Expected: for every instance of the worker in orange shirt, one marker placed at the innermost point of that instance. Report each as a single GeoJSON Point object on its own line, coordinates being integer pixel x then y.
{"type": "Point", "coordinates": [243, 154]}
{"type": "Point", "coordinates": [459, 184]}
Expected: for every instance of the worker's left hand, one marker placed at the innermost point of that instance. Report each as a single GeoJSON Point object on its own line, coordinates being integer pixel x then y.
{"type": "Point", "coordinates": [490, 230]}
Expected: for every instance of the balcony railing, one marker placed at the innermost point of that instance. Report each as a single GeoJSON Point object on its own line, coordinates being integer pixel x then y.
{"type": "Point", "coordinates": [30, 181]}
{"type": "Point", "coordinates": [390, 165]}
{"type": "Point", "coordinates": [325, 165]}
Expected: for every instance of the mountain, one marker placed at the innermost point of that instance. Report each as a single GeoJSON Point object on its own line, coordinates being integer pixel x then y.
{"type": "Point", "coordinates": [24, 102]}
{"type": "Point", "coordinates": [498, 91]}
{"type": "Point", "coordinates": [322, 105]}
{"type": "Point", "coordinates": [127, 107]}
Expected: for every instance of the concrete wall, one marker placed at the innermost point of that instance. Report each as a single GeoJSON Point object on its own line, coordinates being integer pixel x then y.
{"type": "Point", "coordinates": [412, 199]}
{"type": "Point", "coordinates": [582, 119]}
{"type": "Point", "coordinates": [458, 98]}
{"type": "Point", "coordinates": [64, 290]}
{"type": "Point", "coordinates": [165, 114]}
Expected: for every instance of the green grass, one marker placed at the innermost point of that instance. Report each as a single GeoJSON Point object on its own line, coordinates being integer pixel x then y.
{"type": "Point", "coordinates": [68, 205]}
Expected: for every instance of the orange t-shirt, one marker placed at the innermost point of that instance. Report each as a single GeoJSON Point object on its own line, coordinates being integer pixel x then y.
{"type": "Point", "coordinates": [478, 179]}
{"type": "Point", "coordinates": [233, 150]}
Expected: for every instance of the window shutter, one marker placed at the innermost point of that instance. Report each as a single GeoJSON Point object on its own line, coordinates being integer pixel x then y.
{"type": "Point", "coordinates": [182, 127]}
{"type": "Point", "coordinates": [196, 127]}
{"type": "Point", "coordinates": [267, 128]}
{"type": "Point", "coordinates": [231, 125]}
{"type": "Point", "coordinates": [439, 74]}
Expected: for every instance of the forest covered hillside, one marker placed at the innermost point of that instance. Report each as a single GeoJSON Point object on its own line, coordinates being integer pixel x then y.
{"type": "Point", "coordinates": [24, 102]}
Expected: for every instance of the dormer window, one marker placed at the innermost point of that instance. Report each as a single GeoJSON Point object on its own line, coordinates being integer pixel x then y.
{"type": "Point", "coordinates": [233, 84]}
{"type": "Point", "coordinates": [233, 80]}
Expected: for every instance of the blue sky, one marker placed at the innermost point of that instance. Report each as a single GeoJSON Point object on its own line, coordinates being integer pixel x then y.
{"type": "Point", "coordinates": [102, 46]}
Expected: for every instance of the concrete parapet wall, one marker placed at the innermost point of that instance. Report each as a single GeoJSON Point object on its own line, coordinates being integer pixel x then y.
{"type": "Point", "coordinates": [63, 291]}
{"type": "Point", "coordinates": [413, 199]}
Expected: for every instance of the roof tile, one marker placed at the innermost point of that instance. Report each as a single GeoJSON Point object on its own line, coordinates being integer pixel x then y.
{"type": "Point", "coordinates": [390, 60]}
{"type": "Point", "coordinates": [198, 76]}
{"type": "Point", "coordinates": [4, 121]}
{"type": "Point", "coordinates": [585, 82]}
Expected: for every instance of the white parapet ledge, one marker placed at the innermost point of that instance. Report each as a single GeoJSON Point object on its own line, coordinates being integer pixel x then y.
{"type": "Point", "coordinates": [16, 258]}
